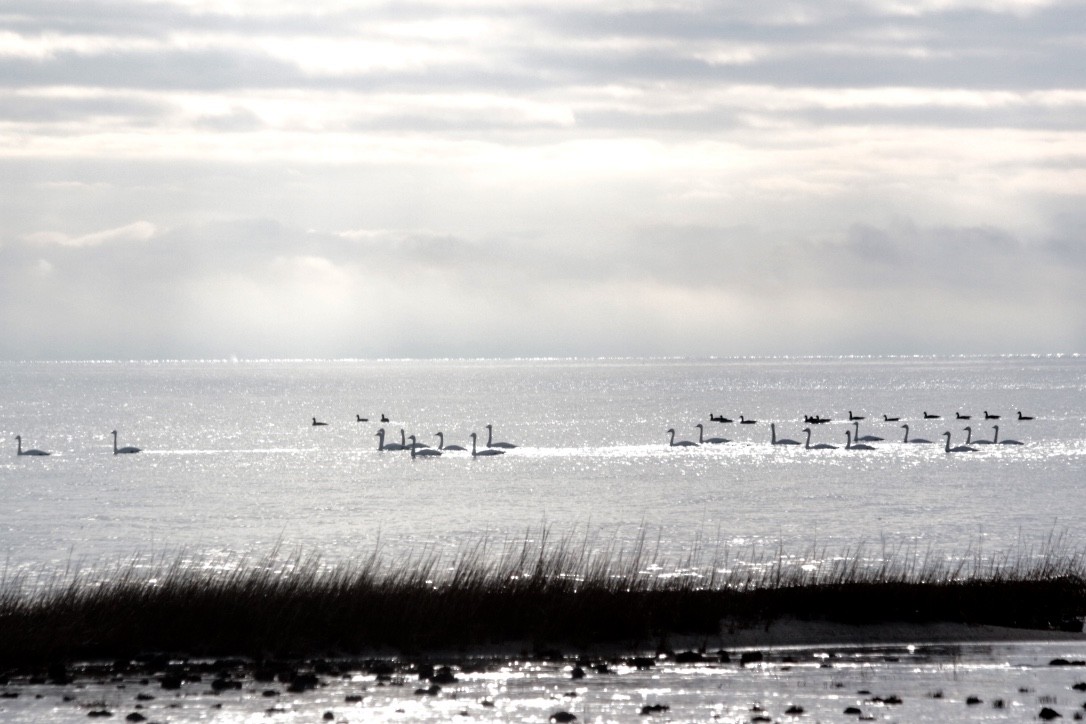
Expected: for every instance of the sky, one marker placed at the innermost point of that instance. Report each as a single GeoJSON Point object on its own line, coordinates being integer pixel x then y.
{"type": "Point", "coordinates": [189, 179]}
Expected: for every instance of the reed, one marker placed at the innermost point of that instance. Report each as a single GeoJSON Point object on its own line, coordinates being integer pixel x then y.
{"type": "Point", "coordinates": [538, 592]}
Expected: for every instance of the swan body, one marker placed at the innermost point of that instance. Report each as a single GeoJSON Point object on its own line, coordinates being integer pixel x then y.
{"type": "Point", "coordinates": [680, 443]}
{"type": "Point", "coordinates": [32, 453]}
{"type": "Point", "coordinates": [425, 452]}
{"type": "Point", "coordinates": [988, 416]}
{"type": "Point", "coordinates": [490, 440]}
{"type": "Point", "coordinates": [442, 446]}
{"type": "Point", "coordinates": [744, 421]}
{"type": "Point", "coordinates": [773, 437]}
{"type": "Point", "coordinates": [857, 446]}
{"type": "Point", "coordinates": [487, 452]}
{"type": "Point", "coordinates": [997, 441]}
{"type": "Point", "coordinates": [959, 448]}
{"type": "Point", "coordinates": [710, 441]}
{"type": "Point", "coordinates": [1023, 417]}
{"type": "Point", "coordinates": [854, 417]}
{"type": "Point", "coordinates": [819, 446]}
{"type": "Point", "coordinates": [382, 446]}
{"type": "Point", "coordinates": [890, 419]}
{"type": "Point", "coordinates": [915, 439]}
{"type": "Point", "coordinates": [318, 424]}
{"type": "Point", "coordinates": [865, 438]}
{"type": "Point", "coordinates": [124, 450]}
{"type": "Point", "coordinates": [928, 416]}
{"type": "Point", "coordinates": [969, 438]}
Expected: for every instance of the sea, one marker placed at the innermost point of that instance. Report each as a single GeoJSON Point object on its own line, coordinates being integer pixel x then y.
{"type": "Point", "coordinates": [232, 468]}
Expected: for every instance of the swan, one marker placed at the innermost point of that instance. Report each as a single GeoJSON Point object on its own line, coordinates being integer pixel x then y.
{"type": "Point", "coordinates": [854, 417]}
{"type": "Point", "coordinates": [424, 452]}
{"type": "Point", "coordinates": [403, 441]}
{"type": "Point", "coordinates": [969, 438]}
{"type": "Point", "coordinates": [960, 416]}
{"type": "Point", "coordinates": [997, 441]}
{"type": "Point", "coordinates": [890, 419]}
{"type": "Point", "coordinates": [916, 439]}
{"type": "Point", "coordinates": [36, 453]}
{"type": "Point", "coordinates": [931, 417]}
{"type": "Point", "coordinates": [959, 448]}
{"type": "Point", "coordinates": [1023, 417]}
{"type": "Point", "coordinates": [680, 443]}
{"type": "Point", "coordinates": [773, 437]}
{"type": "Point", "coordinates": [819, 446]}
{"type": "Point", "coordinates": [442, 446]}
{"type": "Point", "coordinates": [481, 453]}
{"type": "Point", "coordinates": [710, 441]}
{"type": "Point", "coordinates": [988, 416]}
{"type": "Point", "coordinates": [865, 438]}
{"type": "Point", "coordinates": [744, 421]}
{"type": "Point", "coordinates": [123, 450]}
{"type": "Point", "coordinates": [318, 424]}
{"type": "Point", "coordinates": [359, 418]}
{"type": "Point", "coordinates": [491, 443]}
{"type": "Point", "coordinates": [857, 446]}
{"type": "Point", "coordinates": [381, 446]}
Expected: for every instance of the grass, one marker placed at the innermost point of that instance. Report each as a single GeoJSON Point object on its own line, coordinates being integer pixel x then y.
{"type": "Point", "coordinates": [539, 592]}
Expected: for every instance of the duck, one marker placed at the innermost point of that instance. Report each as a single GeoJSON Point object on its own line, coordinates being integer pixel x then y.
{"type": "Point", "coordinates": [382, 446]}
{"type": "Point", "coordinates": [442, 446]}
{"type": "Point", "coordinates": [960, 416]}
{"type": "Point", "coordinates": [865, 438]}
{"type": "Point", "coordinates": [773, 437]}
{"type": "Point", "coordinates": [719, 418]}
{"type": "Point", "coordinates": [490, 441]}
{"type": "Point", "coordinates": [1023, 417]}
{"type": "Point", "coordinates": [915, 439]}
{"type": "Point", "coordinates": [384, 417]}
{"type": "Point", "coordinates": [318, 424]}
{"type": "Point", "coordinates": [487, 452]}
{"type": "Point", "coordinates": [124, 450]}
{"type": "Point", "coordinates": [857, 446]}
{"type": "Point", "coordinates": [928, 416]}
{"type": "Point", "coordinates": [33, 453]}
{"type": "Point", "coordinates": [680, 443]}
{"type": "Point", "coordinates": [890, 419]}
{"type": "Point", "coordinates": [819, 446]}
{"type": "Point", "coordinates": [359, 418]}
{"type": "Point", "coordinates": [959, 448]}
{"type": "Point", "coordinates": [710, 441]}
{"type": "Point", "coordinates": [997, 441]}
{"type": "Point", "coordinates": [852, 417]}
{"type": "Point", "coordinates": [426, 452]}
{"type": "Point", "coordinates": [744, 421]}
{"type": "Point", "coordinates": [989, 416]}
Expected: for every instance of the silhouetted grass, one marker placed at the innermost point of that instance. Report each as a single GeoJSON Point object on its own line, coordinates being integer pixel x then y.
{"type": "Point", "coordinates": [537, 593]}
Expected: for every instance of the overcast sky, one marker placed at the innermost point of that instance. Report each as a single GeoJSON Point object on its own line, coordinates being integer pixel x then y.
{"type": "Point", "coordinates": [322, 178]}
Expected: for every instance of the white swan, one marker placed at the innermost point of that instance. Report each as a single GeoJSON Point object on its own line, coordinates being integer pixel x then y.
{"type": "Point", "coordinates": [773, 437]}
{"type": "Point", "coordinates": [124, 450]}
{"type": "Point", "coordinates": [442, 446]}
{"type": "Point", "coordinates": [680, 443]}
{"type": "Point", "coordinates": [997, 441]}
{"type": "Point", "coordinates": [36, 453]}
{"type": "Point", "coordinates": [710, 441]}
{"type": "Point", "coordinates": [915, 439]}
{"type": "Point", "coordinates": [424, 452]}
{"type": "Point", "coordinates": [857, 446]}
{"type": "Point", "coordinates": [382, 446]}
{"type": "Point", "coordinates": [865, 438]}
{"type": "Point", "coordinates": [969, 438]}
{"type": "Point", "coordinates": [819, 446]}
{"type": "Point", "coordinates": [486, 452]}
{"type": "Point", "coordinates": [959, 448]}
{"type": "Point", "coordinates": [490, 440]}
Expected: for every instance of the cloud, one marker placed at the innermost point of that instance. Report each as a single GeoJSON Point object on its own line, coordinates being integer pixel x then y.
{"type": "Point", "coordinates": [136, 231]}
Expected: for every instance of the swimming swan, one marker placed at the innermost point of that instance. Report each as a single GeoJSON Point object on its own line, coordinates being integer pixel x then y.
{"type": "Point", "coordinates": [442, 446]}
{"type": "Point", "coordinates": [858, 446]}
{"type": "Point", "coordinates": [424, 452]}
{"type": "Point", "coordinates": [483, 453]}
{"type": "Point", "coordinates": [710, 441]}
{"type": "Point", "coordinates": [959, 448]}
{"type": "Point", "coordinates": [123, 450]}
{"type": "Point", "coordinates": [381, 446]}
{"type": "Point", "coordinates": [969, 438]}
{"type": "Point", "coordinates": [865, 438]}
{"type": "Point", "coordinates": [680, 443]}
{"type": "Point", "coordinates": [819, 446]}
{"type": "Point", "coordinates": [35, 453]}
{"type": "Point", "coordinates": [915, 439]}
{"type": "Point", "coordinates": [997, 441]}
{"type": "Point", "coordinates": [773, 437]}
{"type": "Point", "coordinates": [490, 440]}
